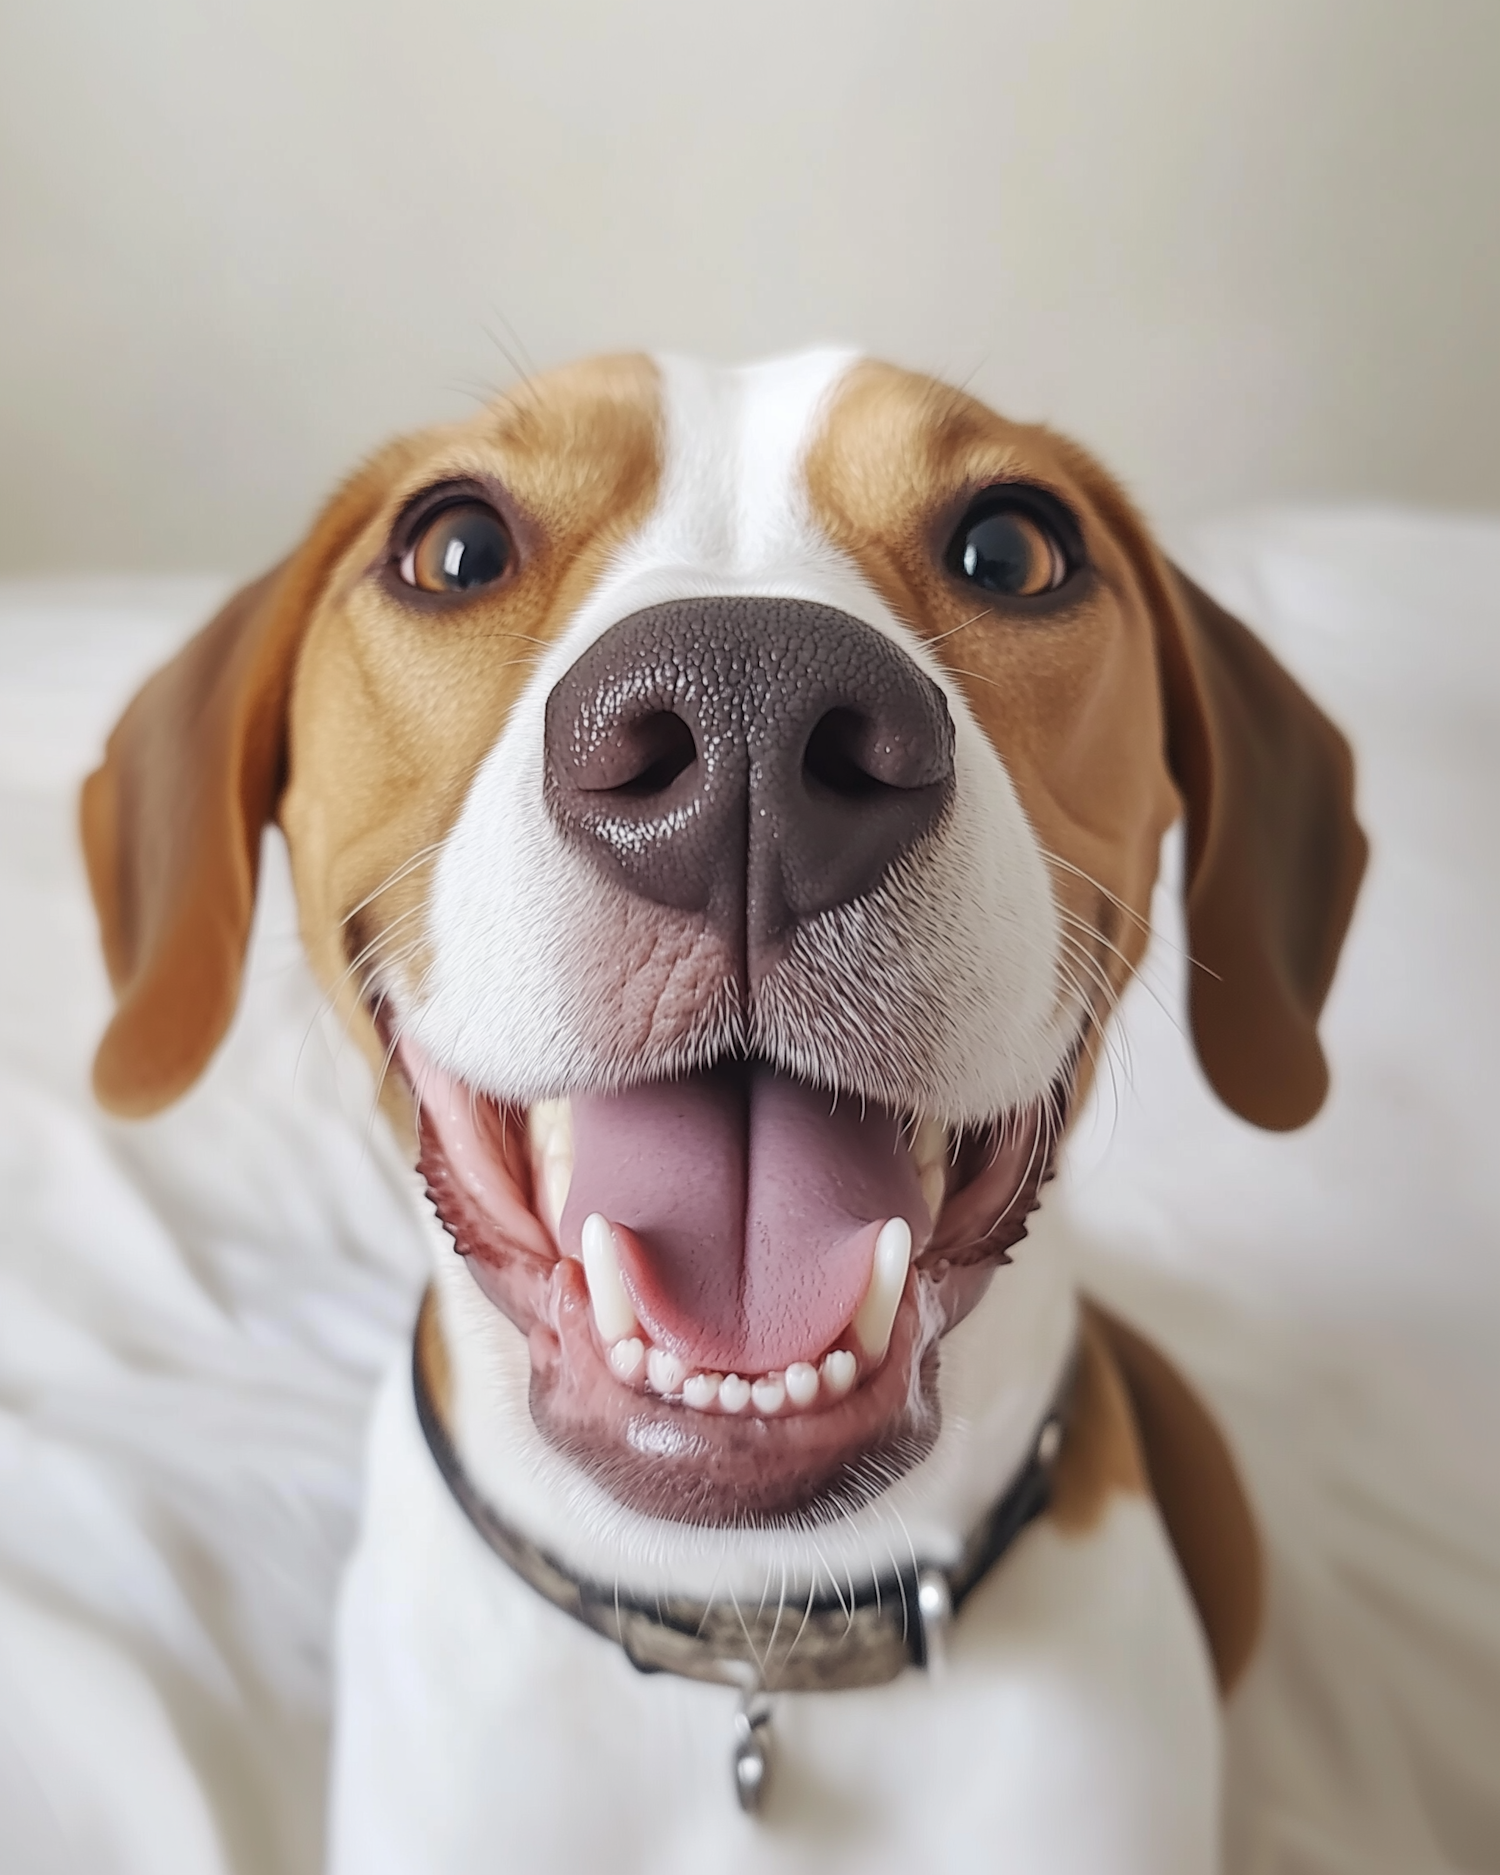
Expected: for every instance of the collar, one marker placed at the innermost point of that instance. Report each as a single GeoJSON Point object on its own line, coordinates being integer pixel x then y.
{"type": "Point", "coordinates": [832, 1642]}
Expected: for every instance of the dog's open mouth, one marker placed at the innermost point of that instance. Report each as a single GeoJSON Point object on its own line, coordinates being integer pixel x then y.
{"type": "Point", "coordinates": [732, 1284]}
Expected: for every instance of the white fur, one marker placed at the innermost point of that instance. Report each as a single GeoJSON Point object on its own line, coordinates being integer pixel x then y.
{"type": "Point", "coordinates": [479, 1728]}
{"type": "Point", "coordinates": [1075, 1731]}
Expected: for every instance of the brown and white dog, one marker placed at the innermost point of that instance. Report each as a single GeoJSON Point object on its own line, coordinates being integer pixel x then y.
{"type": "Point", "coordinates": [725, 806]}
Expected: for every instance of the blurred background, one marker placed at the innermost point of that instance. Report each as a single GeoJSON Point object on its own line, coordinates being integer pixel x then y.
{"type": "Point", "coordinates": [1246, 251]}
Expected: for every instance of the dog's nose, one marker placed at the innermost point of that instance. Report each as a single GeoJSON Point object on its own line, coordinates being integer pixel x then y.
{"type": "Point", "coordinates": [758, 760]}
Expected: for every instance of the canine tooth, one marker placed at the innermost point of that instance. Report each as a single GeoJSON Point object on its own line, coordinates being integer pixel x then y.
{"type": "Point", "coordinates": [664, 1371]}
{"type": "Point", "coordinates": [556, 1178]}
{"type": "Point", "coordinates": [734, 1393]}
{"type": "Point", "coordinates": [802, 1383]}
{"type": "Point", "coordinates": [701, 1390]}
{"type": "Point", "coordinates": [614, 1313]}
{"type": "Point", "coordinates": [929, 1153]}
{"type": "Point", "coordinates": [769, 1394]}
{"type": "Point", "coordinates": [877, 1313]}
{"type": "Point", "coordinates": [838, 1371]}
{"type": "Point", "coordinates": [552, 1141]}
{"type": "Point", "coordinates": [625, 1357]}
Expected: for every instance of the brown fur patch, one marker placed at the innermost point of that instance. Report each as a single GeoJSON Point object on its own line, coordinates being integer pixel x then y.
{"type": "Point", "coordinates": [1137, 1425]}
{"type": "Point", "coordinates": [1203, 1502]}
{"type": "Point", "coordinates": [1123, 698]}
{"type": "Point", "coordinates": [432, 1358]}
{"type": "Point", "coordinates": [396, 701]}
{"type": "Point", "coordinates": [172, 818]}
{"type": "Point", "coordinates": [1101, 1452]}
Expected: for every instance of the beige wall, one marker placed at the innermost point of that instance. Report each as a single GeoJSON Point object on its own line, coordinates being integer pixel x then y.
{"type": "Point", "coordinates": [1249, 251]}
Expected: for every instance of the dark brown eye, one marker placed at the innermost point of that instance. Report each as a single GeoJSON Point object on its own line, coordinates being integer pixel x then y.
{"type": "Point", "coordinates": [1006, 549]}
{"type": "Point", "coordinates": [459, 548]}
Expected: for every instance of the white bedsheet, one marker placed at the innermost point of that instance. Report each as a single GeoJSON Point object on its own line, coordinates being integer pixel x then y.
{"type": "Point", "coordinates": [194, 1311]}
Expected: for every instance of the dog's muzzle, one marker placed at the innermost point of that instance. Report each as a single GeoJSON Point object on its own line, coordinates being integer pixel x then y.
{"type": "Point", "coordinates": [756, 761]}
{"type": "Point", "coordinates": [733, 1263]}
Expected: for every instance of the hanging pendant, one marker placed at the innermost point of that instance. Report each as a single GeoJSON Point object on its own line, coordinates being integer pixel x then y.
{"type": "Point", "coordinates": [752, 1750]}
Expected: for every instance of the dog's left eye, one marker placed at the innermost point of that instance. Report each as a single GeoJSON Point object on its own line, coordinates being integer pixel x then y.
{"type": "Point", "coordinates": [459, 548]}
{"type": "Point", "coordinates": [1004, 546]}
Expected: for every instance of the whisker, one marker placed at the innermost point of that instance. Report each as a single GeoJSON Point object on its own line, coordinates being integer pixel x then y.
{"type": "Point", "coordinates": [962, 625]}
{"type": "Point", "coordinates": [1135, 975]}
{"type": "Point", "coordinates": [394, 877]}
{"type": "Point", "coordinates": [328, 999]}
{"type": "Point", "coordinates": [1113, 1044]}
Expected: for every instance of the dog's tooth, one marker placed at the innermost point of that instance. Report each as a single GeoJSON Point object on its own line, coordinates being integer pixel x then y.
{"type": "Point", "coordinates": [802, 1383]}
{"type": "Point", "coordinates": [769, 1393]}
{"type": "Point", "coordinates": [664, 1371]}
{"type": "Point", "coordinates": [551, 1125]}
{"type": "Point", "coordinates": [929, 1153]}
{"type": "Point", "coordinates": [614, 1313]}
{"type": "Point", "coordinates": [552, 1144]}
{"type": "Point", "coordinates": [556, 1178]}
{"type": "Point", "coordinates": [838, 1371]}
{"type": "Point", "coordinates": [734, 1394]}
{"type": "Point", "coordinates": [877, 1313]}
{"type": "Point", "coordinates": [625, 1357]}
{"type": "Point", "coordinates": [701, 1390]}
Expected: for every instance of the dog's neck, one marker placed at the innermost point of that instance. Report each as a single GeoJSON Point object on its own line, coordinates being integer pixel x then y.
{"type": "Point", "coordinates": [1000, 1370]}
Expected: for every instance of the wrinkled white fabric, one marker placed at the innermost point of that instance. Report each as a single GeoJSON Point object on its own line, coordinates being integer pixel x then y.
{"type": "Point", "coordinates": [194, 1310]}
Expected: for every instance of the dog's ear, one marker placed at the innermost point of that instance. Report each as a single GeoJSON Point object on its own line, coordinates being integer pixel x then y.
{"type": "Point", "coordinates": [172, 820]}
{"type": "Point", "coordinates": [1274, 856]}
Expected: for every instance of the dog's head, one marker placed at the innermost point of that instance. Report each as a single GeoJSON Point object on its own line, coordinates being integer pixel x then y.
{"type": "Point", "coordinates": [725, 805]}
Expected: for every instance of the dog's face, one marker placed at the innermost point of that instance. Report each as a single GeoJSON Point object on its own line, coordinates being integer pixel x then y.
{"type": "Point", "coordinates": [726, 807]}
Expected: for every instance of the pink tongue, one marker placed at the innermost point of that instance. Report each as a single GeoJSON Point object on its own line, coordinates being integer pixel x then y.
{"type": "Point", "coordinates": [755, 1202]}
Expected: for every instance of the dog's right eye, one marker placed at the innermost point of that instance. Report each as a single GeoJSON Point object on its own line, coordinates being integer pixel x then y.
{"type": "Point", "coordinates": [459, 548]}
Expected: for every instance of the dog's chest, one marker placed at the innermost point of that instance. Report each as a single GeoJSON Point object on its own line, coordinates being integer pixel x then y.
{"type": "Point", "coordinates": [1075, 1728]}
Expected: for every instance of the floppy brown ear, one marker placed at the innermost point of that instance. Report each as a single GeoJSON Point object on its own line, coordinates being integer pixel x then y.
{"type": "Point", "coordinates": [172, 823]}
{"type": "Point", "coordinates": [1274, 857]}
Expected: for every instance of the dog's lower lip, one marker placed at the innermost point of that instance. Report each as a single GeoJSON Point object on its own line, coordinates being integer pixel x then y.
{"type": "Point", "coordinates": [667, 1461]}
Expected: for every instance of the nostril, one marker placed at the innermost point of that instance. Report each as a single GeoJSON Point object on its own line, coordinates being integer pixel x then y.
{"type": "Point", "coordinates": [754, 762]}
{"type": "Point", "coordinates": [834, 757]}
{"type": "Point", "coordinates": [646, 758]}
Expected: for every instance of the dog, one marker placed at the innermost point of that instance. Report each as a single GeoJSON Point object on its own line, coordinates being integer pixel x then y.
{"type": "Point", "coordinates": [724, 806]}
